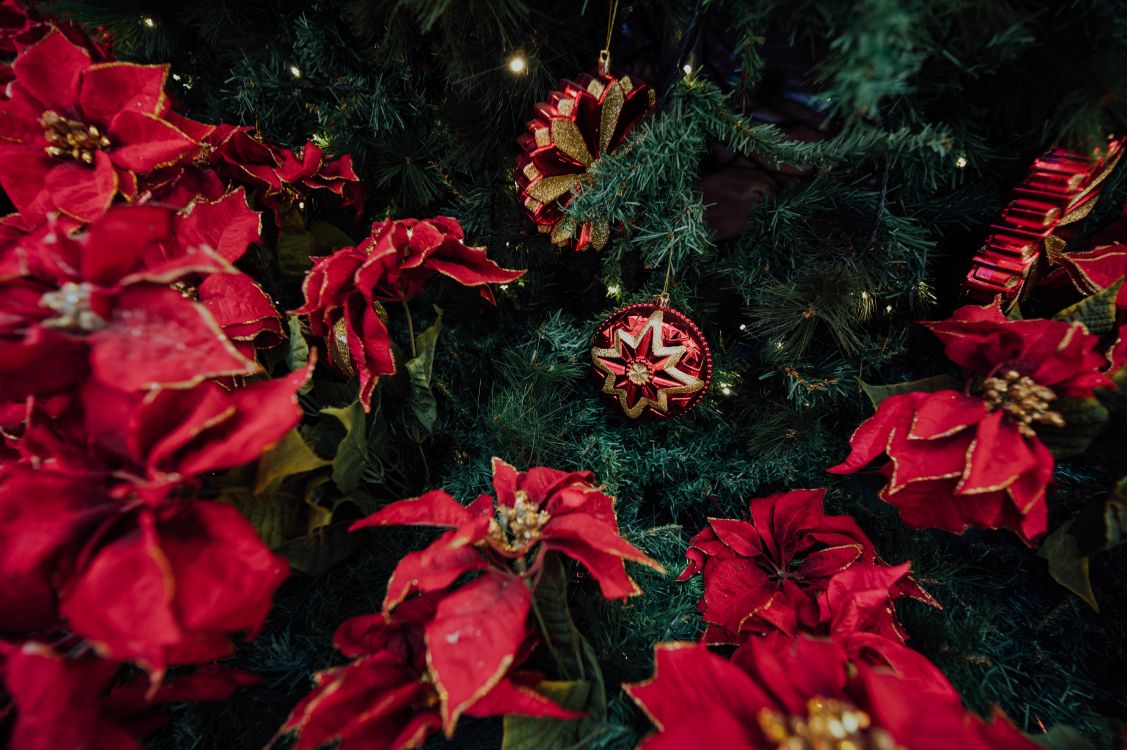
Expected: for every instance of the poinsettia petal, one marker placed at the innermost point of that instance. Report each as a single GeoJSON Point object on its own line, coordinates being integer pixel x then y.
{"type": "Point", "coordinates": [174, 592]}
{"type": "Point", "coordinates": [206, 428]}
{"type": "Point", "coordinates": [829, 561]}
{"type": "Point", "coordinates": [114, 245]}
{"type": "Point", "coordinates": [920, 461]}
{"type": "Point", "coordinates": [235, 300]}
{"type": "Point", "coordinates": [740, 536]}
{"type": "Point", "coordinates": [608, 570]}
{"type": "Point", "coordinates": [860, 599]}
{"type": "Point", "coordinates": [50, 71]}
{"type": "Point", "coordinates": [580, 528]}
{"type": "Point", "coordinates": [504, 482]}
{"type": "Point", "coordinates": [56, 702]}
{"type": "Point", "coordinates": [944, 413]}
{"type": "Point", "coordinates": [871, 438]}
{"type": "Point", "coordinates": [433, 568]}
{"type": "Point", "coordinates": [44, 518]}
{"type": "Point", "coordinates": [146, 142]}
{"type": "Point", "coordinates": [156, 337]}
{"type": "Point", "coordinates": [362, 704]}
{"type": "Point", "coordinates": [434, 508]}
{"type": "Point", "coordinates": [998, 456]}
{"type": "Point", "coordinates": [689, 682]}
{"type": "Point", "coordinates": [108, 88]}
{"type": "Point", "coordinates": [473, 639]}
{"type": "Point", "coordinates": [81, 192]}
{"type": "Point", "coordinates": [227, 226]}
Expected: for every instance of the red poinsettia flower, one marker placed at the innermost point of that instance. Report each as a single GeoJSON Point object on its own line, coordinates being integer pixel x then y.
{"type": "Point", "coordinates": [802, 692]}
{"type": "Point", "coordinates": [74, 133]}
{"type": "Point", "coordinates": [386, 699]}
{"type": "Point", "coordinates": [101, 302]}
{"type": "Point", "coordinates": [768, 573]}
{"type": "Point", "coordinates": [278, 178]}
{"type": "Point", "coordinates": [84, 470]}
{"type": "Point", "coordinates": [973, 459]}
{"type": "Point", "coordinates": [539, 510]}
{"type": "Point", "coordinates": [391, 266]}
{"type": "Point", "coordinates": [57, 701]}
{"type": "Point", "coordinates": [174, 587]}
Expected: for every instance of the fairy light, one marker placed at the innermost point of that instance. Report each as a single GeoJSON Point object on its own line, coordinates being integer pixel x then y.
{"type": "Point", "coordinates": [517, 64]}
{"type": "Point", "coordinates": [176, 76]}
{"type": "Point", "coordinates": [301, 205]}
{"type": "Point", "coordinates": [743, 326]}
{"type": "Point", "coordinates": [148, 22]}
{"type": "Point", "coordinates": [504, 287]}
{"type": "Point", "coordinates": [961, 161]}
{"type": "Point", "coordinates": [888, 308]}
{"type": "Point", "coordinates": [612, 289]}
{"type": "Point", "coordinates": [726, 389]}
{"type": "Point", "coordinates": [688, 69]}
{"type": "Point", "coordinates": [295, 71]}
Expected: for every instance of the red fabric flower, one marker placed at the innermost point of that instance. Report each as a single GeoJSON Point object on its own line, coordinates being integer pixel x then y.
{"type": "Point", "coordinates": [1057, 355]}
{"type": "Point", "coordinates": [76, 133]}
{"type": "Point", "coordinates": [537, 510]}
{"type": "Point", "coordinates": [175, 587]}
{"type": "Point", "coordinates": [279, 178]}
{"type": "Point", "coordinates": [100, 302]}
{"type": "Point", "coordinates": [955, 463]}
{"type": "Point", "coordinates": [809, 693]}
{"type": "Point", "coordinates": [973, 459]}
{"type": "Point", "coordinates": [386, 700]}
{"type": "Point", "coordinates": [84, 470]}
{"type": "Point", "coordinates": [773, 571]}
{"type": "Point", "coordinates": [61, 702]}
{"type": "Point", "coordinates": [391, 266]}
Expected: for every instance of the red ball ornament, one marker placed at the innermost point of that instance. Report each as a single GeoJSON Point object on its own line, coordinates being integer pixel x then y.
{"type": "Point", "coordinates": [578, 124]}
{"type": "Point", "coordinates": [651, 360]}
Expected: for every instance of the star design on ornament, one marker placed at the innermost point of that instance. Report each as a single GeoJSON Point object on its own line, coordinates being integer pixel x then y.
{"type": "Point", "coordinates": [635, 365]}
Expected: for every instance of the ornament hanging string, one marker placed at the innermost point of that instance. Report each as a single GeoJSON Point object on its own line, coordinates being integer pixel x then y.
{"type": "Point", "coordinates": [663, 298]}
{"type": "Point", "coordinates": [604, 53]}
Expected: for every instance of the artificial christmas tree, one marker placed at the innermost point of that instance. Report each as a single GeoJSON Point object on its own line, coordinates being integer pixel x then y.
{"type": "Point", "coordinates": [235, 332]}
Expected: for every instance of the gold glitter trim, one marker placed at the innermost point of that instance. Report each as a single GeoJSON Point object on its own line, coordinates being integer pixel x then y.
{"type": "Point", "coordinates": [608, 118]}
{"type": "Point", "coordinates": [568, 139]}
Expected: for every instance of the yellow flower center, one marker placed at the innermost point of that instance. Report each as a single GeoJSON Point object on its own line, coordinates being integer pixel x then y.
{"type": "Point", "coordinates": [71, 139]}
{"type": "Point", "coordinates": [1022, 400]}
{"type": "Point", "coordinates": [515, 528]}
{"type": "Point", "coordinates": [72, 303]}
{"type": "Point", "coordinates": [828, 725]}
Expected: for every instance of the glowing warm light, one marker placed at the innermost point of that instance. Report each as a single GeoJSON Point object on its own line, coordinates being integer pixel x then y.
{"type": "Point", "coordinates": [961, 162]}
{"type": "Point", "coordinates": [687, 68]}
{"type": "Point", "coordinates": [148, 22]}
{"type": "Point", "coordinates": [517, 64]}
{"type": "Point", "coordinates": [295, 71]}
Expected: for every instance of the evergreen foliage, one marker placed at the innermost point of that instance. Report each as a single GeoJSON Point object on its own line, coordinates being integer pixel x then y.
{"type": "Point", "coordinates": [888, 132]}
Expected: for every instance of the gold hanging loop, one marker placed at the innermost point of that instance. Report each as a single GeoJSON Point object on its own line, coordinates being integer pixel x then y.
{"type": "Point", "coordinates": [604, 53]}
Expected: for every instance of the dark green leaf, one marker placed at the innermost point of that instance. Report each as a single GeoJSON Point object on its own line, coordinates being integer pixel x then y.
{"type": "Point", "coordinates": [276, 516]}
{"type": "Point", "coordinates": [1097, 312]}
{"type": "Point", "coordinates": [1063, 737]}
{"type": "Point", "coordinates": [1083, 420]}
{"type": "Point", "coordinates": [297, 350]}
{"type": "Point", "coordinates": [328, 237]}
{"type": "Point", "coordinates": [291, 455]}
{"type": "Point", "coordinates": [538, 733]}
{"type": "Point", "coordinates": [1067, 564]}
{"type": "Point", "coordinates": [421, 403]}
{"type": "Point", "coordinates": [319, 550]}
{"type": "Point", "coordinates": [878, 393]}
{"type": "Point", "coordinates": [295, 253]}
{"type": "Point", "coordinates": [352, 453]}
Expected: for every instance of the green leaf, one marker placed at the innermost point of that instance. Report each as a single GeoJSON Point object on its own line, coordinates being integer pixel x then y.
{"type": "Point", "coordinates": [878, 393]}
{"type": "Point", "coordinates": [1097, 312]}
{"type": "Point", "coordinates": [1083, 420]}
{"type": "Point", "coordinates": [539, 733]}
{"type": "Point", "coordinates": [295, 253]}
{"type": "Point", "coordinates": [421, 403]}
{"type": "Point", "coordinates": [290, 455]}
{"type": "Point", "coordinates": [352, 453]}
{"type": "Point", "coordinates": [328, 237]}
{"type": "Point", "coordinates": [297, 350]}
{"type": "Point", "coordinates": [276, 516]}
{"type": "Point", "coordinates": [1063, 737]}
{"type": "Point", "coordinates": [1068, 565]}
{"type": "Point", "coordinates": [319, 550]}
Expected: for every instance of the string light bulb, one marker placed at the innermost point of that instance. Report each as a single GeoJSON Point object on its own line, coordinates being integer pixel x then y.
{"type": "Point", "coordinates": [961, 161]}
{"type": "Point", "coordinates": [295, 71]}
{"type": "Point", "coordinates": [688, 69]}
{"type": "Point", "coordinates": [148, 22]}
{"type": "Point", "coordinates": [517, 64]}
